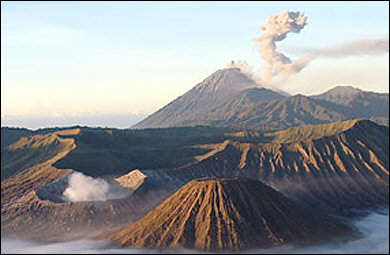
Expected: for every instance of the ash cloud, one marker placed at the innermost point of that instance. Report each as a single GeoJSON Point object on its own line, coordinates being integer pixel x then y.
{"type": "Point", "coordinates": [244, 67]}
{"type": "Point", "coordinates": [279, 67]}
{"type": "Point", "coordinates": [354, 48]}
{"type": "Point", "coordinates": [374, 227]}
{"type": "Point", "coordinates": [276, 29]}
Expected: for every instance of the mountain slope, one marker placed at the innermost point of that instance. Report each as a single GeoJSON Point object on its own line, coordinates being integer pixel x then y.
{"type": "Point", "coordinates": [11, 135]}
{"type": "Point", "coordinates": [332, 167]}
{"type": "Point", "coordinates": [279, 113]}
{"type": "Point", "coordinates": [211, 92]}
{"type": "Point", "coordinates": [356, 103]}
{"type": "Point", "coordinates": [36, 149]}
{"type": "Point", "coordinates": [228, 214]}
{"type": "Point", "coordinates": [230, 98]}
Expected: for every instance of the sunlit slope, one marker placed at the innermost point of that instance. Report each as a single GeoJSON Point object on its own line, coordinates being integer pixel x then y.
{"type": "Point", "coordinates": [104, 152]}
{"type": "Point", "coordinates": [228, 214]}
{"type": "Point", "coordinates": [28, 163]}
{"type": "Point", "coordinates": [115, 152]}
{"type": "Point", "coordinates": [36, 149]}
{"type": "Point", "coordinates": [12, 135]}
{"type": "Point", "coordinates": [334, 166]}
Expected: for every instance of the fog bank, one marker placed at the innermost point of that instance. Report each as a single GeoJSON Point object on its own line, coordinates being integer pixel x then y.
{"type": "Point", "coordinates": [374, 227]}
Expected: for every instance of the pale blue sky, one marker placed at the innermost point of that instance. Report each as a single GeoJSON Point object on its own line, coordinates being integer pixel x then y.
{"type": "Point", "coordinates": [67, 63]}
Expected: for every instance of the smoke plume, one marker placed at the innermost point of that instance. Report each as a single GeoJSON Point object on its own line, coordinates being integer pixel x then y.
{"type": "Point", "coordinates": [278, 67]}
{"type": "Point", "coordinates": [86, 188]}
{"type": "Point", "coordinates": [354, 48]}
{"type": "Point", "coordinates": [276, 29]}
{"type": "Point", "coordinates": [243, 66]}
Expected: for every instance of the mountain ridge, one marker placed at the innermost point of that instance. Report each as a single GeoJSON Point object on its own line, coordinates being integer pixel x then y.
{"type": "Point", "coordinates": [251, 105]}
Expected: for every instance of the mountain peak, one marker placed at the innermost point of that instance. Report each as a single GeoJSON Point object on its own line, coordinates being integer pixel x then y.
{"type": "Point", "coordinates": [210, 93]}
{"type": "Point", "coordinates": [228, 214]}
{"type": "Point", "coordinates": [226, 81]}
{"type": "Point", "coordinates": [344, 90]}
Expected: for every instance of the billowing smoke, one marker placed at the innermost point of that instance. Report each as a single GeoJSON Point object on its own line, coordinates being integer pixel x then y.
{"type": "Point", "coordinates": [85, 188]}
{"type": "Point", "coordinates": [243, 66]}
{"type": "Point", "coordinates": [279, 67]}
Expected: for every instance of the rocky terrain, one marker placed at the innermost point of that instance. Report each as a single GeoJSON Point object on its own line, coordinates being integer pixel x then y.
{"type": "Point", "coordinates": [332, 167]}
{"type": "Point", "coordinates": [229, 214]}
{"type": "Point", "coordinates": [339, 168]}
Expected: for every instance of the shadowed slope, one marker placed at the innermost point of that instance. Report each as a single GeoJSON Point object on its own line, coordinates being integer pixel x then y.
{"type": "Point", "coordinates": [11, 135]}
{"type": "Point", "coordinates": [228, 214]}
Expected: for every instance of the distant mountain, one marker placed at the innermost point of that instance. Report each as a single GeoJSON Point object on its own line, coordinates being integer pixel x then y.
{"type": "Point", "coordinates": [356, 103]}
{"type": "Point", "coordinates": [230, 98]}
{"type": "Point", "coordinates": [211, 92]}
{"type": "Point", "coordinates": [277, 112]}
{"type": "Point", "coordinates": [228, 214]}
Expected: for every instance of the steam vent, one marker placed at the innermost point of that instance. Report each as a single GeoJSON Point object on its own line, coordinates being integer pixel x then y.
{"type": "Point", "coordinates": [228, 214]}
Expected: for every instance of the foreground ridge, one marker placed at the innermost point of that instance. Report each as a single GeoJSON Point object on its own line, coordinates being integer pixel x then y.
{"type": "Point", "coordinates": [228, 214]}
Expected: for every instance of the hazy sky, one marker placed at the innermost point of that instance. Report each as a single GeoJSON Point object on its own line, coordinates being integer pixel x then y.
{"type": "Point", "coordinates": [110, 64]}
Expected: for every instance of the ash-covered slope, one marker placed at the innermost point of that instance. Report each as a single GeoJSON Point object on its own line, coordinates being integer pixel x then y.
{"type": "Point", "coordinates": [229, 214]}
{"type": "Point", "coordinates": [334, 167]}
{"type": "Point", "coordinates": [211, 92]}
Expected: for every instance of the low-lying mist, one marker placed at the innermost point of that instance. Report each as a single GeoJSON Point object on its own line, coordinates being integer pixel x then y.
{"type": "Point", "coordinates": [374, 227]}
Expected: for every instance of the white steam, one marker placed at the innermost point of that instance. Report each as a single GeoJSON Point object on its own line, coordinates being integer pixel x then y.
{"type": "Point", "coordinates": [86, 188]}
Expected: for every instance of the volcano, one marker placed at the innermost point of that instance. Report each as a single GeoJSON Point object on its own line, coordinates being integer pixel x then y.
{"type": "Point", "coordinates": [229, 214]}
{"type": "Point", "coordinates": [193, 105]}
{"type": "Point", "coordinates": [230, 98]}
